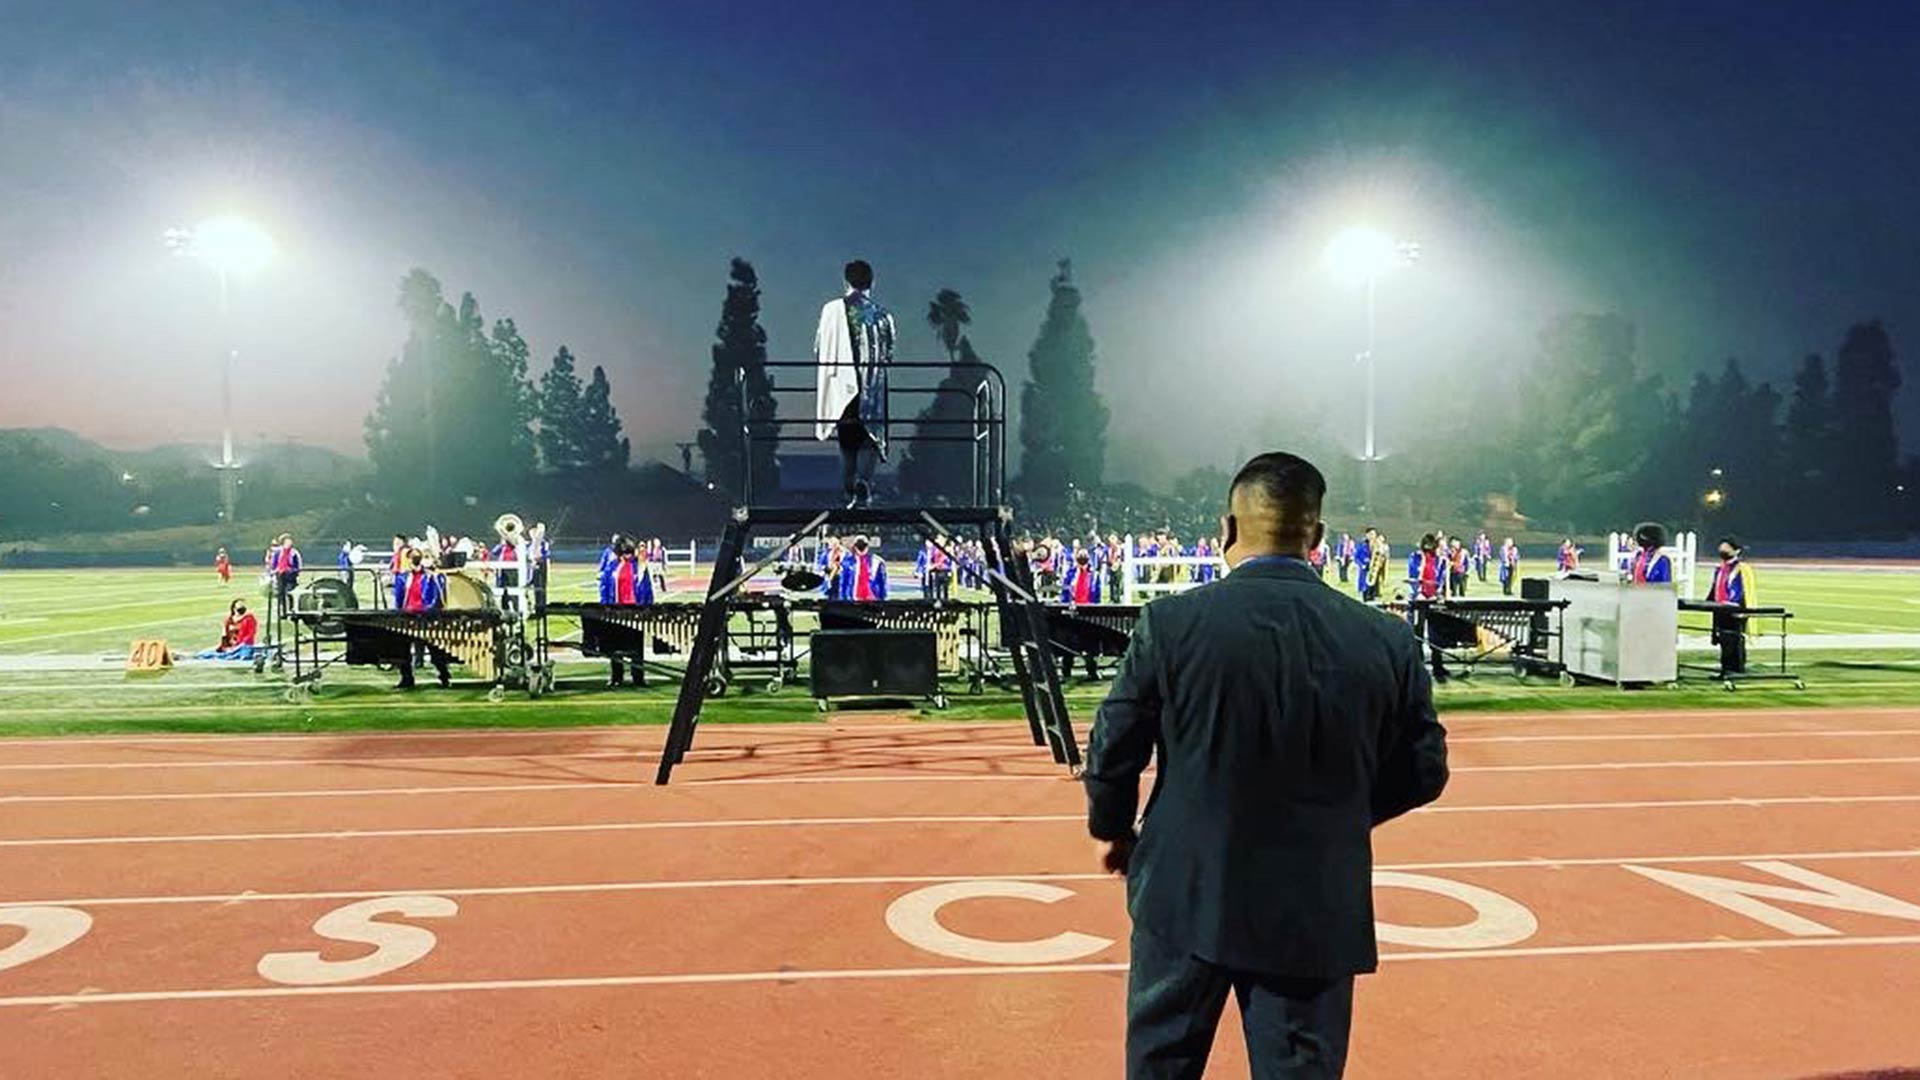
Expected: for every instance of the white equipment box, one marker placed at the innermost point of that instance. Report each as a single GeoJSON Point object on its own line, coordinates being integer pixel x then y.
{"type": "Point", "coordinates": [1619, 632]}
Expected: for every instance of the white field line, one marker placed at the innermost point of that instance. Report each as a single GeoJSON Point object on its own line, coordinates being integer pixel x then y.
{"type": "Point", "coordinates": [117, 628]}
{"type": "Point", "coordinates": [561, 889]}
{"type": "Point", "coordinates": [917, 819]}
{"type": "Point", "coordinates": [849, 974]}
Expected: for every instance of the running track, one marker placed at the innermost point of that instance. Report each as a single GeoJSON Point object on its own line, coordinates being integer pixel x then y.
{"type": "Point", "coordinates": [522, 904]}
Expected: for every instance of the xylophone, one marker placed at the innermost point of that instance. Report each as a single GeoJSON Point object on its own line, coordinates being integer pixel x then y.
{"type": "Point", "coordinates": [1516, 629]}
{"type": "Point", "coordinates": [629, 630]}
{"type": "Point", "coordinates": [389, 637]}
{"type": "Point", "coordinates": [949, 623]}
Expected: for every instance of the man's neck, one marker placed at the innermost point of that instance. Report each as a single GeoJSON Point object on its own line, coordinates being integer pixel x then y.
{"type": "Point", "coordinates": [1249, 555]}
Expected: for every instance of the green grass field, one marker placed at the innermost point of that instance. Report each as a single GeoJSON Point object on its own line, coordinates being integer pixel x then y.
{"type": "Point", "coordinates": [63, 635]}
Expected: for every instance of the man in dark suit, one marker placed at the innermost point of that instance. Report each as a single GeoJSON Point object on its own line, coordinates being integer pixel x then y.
{"type": "Point", "coordinates": [1289, 720]}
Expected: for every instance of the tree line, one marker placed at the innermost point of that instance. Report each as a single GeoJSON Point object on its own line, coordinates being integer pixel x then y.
{"type": "Point", "coordinates": [458, 416]}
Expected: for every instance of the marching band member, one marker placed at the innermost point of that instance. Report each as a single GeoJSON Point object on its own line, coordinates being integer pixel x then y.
{"type": "Point", "coordinates": [419, 588]}
{"type": "Point", "coordinates": [398, 560]}
{"type": "Point", "coordinates": [1650, 566]}
{"type": "Point", "coordinates": [344, 563]}
{"type": "Point", "coordinates": [1732, 584]}
{"type": "Point", "coordinates": [1427, 570]}
{"type": "Point", "coordinates": [1344, 554]}
{"type": "Point", "coordinates": [1081, 585]}
{"type": "Point", "coordinates": [240, 629]}
{"type": "Point", "coordinates": [1482, 555]}
{"type": "Point", "coordinates": [626, 582]}
{"type": "Point", "coordinates": [1363, 561]}
{"type": "Point", "coordinates": [539, 555]}
{"type": "Point", "coordinates": [283, 562]}
{"type": "Point", "coordinates": [1509, 565]}
{"type": "Point", "coordinates": [1377, 567]}
{"type": "Point", "coordinates": [863, 574]}
{"type": "Point", "coordinates": [1203, 548]}
{"type": "Point", "coordinates": [223, 566]}
{"type": "Point", "coordinates": [1316, 558]}
{"type": "Point", "coordinates": [921, 566]}
{"type": "Point", "coordinates": [939, 574]}
{"type": "Point", "coordinates": [656, 559]}
{"type": "Point", "coordinates": [832, 554]}
{"type": "Point", "coordinates": [610, 554]}
{"type": "Point", "coordinates": [1569, 558]}
{"type": "Point", "coordinates": [1457, 568]}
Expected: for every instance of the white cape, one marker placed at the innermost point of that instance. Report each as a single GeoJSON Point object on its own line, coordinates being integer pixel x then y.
{"type": "Point", "coordinates": [839, 380]}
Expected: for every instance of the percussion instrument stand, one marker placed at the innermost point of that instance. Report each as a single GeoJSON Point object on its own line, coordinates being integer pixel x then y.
{"type": "Point", "coordinates": [1020, 607]}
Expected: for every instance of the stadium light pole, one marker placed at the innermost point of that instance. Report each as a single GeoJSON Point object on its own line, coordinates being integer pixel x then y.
{"type": "Point", "coordinates": [1360, 255]}
{"type": "Point", "coordinates": [231, 246]}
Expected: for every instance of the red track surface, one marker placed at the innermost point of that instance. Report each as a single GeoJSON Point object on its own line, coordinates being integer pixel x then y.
{"type": "Point", "coordinates": [736, 924]}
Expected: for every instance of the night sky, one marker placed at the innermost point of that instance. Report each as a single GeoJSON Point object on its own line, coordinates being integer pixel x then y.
{"type": "Point", "coordinates": [1740, 179]}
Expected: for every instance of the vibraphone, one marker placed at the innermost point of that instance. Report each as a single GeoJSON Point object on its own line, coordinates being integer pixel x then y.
{"type": "Point", "coordinates": [473, 637]}
{"type": "Point", "coordinates": [1521, 631]}
{"type": "Point", "coordinates": [1095, 635]}
{"type": "Point", "coordinates": [640, 634]}
{"type": "Point", "coordinates": [1778, 615]}
{"type": "Point", "coordinates": [952, 625]}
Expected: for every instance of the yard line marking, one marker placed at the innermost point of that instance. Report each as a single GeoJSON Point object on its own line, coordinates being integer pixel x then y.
{"type": "Point", "coordinates": [118, 628]}
{"type": "Point", "coordinates": [571, 888]}
{"type": "Point", "coordinates": [1747, 764]}
{"type": "Point", "coordinates": [1676, 736]}
{"type": "Point", "coordinates": [919, 819]}
{"type": "Point", "coordinates": [823, 975]}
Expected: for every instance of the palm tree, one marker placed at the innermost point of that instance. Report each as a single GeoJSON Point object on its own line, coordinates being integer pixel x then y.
{"type": "Point", "coordinates": [947, 314]}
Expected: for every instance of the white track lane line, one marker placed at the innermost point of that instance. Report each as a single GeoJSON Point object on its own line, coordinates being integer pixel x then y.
{"type": "Point", "coordinates": [1500, 719]}
{"type": "Point", "coordinates": [635, 753]}
{"type": "Point", "coordinates": [855, 777]}
{"type": "Point", "coordinates": [920, 819]}
{"type": "Point", "coordinates": [976, 971]}
{"type": "Point", "coordinates": [1537, 863]}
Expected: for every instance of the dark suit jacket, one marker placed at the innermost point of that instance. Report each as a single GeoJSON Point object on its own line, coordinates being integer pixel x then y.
{"type": "Point", "coordinates": [1289, 721]}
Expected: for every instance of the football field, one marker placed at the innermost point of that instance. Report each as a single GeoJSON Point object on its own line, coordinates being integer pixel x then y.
{"type": "Point", "coordinates": [64, 635]}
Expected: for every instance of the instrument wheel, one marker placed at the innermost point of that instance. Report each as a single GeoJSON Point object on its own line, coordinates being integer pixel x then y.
{"type": "Point", "coordinates": [497, 693]}
{"type": "Point", "coordinates": [775, 684]}
{"type": "Point", "coordinates": [716, 686]}
{"type": "Point", "coordinates": [939, 701]}
{"type": "Point", "coordinates": [1728, 683]}
{"type": "Point", "coordinates": [820, 704]}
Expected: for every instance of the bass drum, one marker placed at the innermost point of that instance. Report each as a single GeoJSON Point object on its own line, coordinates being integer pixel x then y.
{"type": "Point", "coordinates": [323, 596]}
{"type": "Point", "coordinates": [465, 592]}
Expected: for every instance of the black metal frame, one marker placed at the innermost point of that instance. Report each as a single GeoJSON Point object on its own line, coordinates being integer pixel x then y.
{"type": "Point", "coordinates": [1730, 679]}
{"type": "Point", "coordinates": [1525, 650]}
{"type": "Point", "coordinates": [986, 429]}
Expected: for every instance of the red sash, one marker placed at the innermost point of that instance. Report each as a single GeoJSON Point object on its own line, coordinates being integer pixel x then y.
{"type": "Point", "coordinates": [416, 591]}
{"type": "Point", "coordinates": [862, 578]}
{"type": "Point", "coordinates": [623, 583]}
{"type": "Point", "coordinates": [283, 560]}
{"type": "Point", "coordinates": [1082, 586]}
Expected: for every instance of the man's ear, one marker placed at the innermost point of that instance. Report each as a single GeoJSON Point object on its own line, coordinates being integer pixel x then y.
{"type": "Point", "coordinates": [1319, 534]}
{"type": "Point", "coordinates": [1229, 532]}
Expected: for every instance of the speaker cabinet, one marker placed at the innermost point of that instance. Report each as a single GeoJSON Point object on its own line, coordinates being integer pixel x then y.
{"type": "Point", "coordinates": [874, 663]}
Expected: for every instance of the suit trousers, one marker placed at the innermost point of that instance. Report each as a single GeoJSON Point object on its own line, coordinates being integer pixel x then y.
{"type": "Point", "coordinates": [1296, 1029]}
{"type": "Point", "coordinates": [858, 452]}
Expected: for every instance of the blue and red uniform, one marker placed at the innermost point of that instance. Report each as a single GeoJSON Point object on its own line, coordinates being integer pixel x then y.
{"type": "Point", "coordinates": [1427, 574]}
{"type": "Point", "coordinates": [416, 590]}
{"type": "Point", "coordinates": [626, 582]}
{"type": "Point", "coordinates": [863, 576]}
{"type": "Point", "coordinates": [1732, 584]}
{"type": "Point", "coordinates": [1081, 585]}
{"type": "Point", "coordinates": [1651, 567]}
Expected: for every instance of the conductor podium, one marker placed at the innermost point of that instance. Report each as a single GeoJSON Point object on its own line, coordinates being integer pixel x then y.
{"type": "Point", "coordinates": [906, 662]}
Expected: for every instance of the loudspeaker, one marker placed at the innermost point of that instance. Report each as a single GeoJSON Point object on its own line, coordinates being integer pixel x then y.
{"type": "Point", "coordinates": [874, 663]}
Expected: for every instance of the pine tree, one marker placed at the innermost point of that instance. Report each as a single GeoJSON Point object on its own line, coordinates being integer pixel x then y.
{"type": "Point", "coordinates": [560, 436]}
{"type": "Point", "coordinates": [1808, 440]}
{"type": "Point", "coordinates": [1063, 422]}
{"type": "Point", "coordinates": [741, 349]}
{"type": "Point", "coordinates": [1866, 459]}
{"type": "Point", "coordinates": [601, 445]}
{"type": "Point", "coordinates": [1586, 416]}
{"type": "Point", "coordinates": [948, 469]}
{"type": "Point", "coordinates": [452, 418]}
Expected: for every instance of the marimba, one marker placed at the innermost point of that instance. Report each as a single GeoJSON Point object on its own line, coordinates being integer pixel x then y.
{"type": "Point", "coordinates": [949, 623]}
{"type": "Point", "coordinates": [1519, 630]}
{"type": "Point", "coordinates": [389, 637]}
{"type": "Point", "coordinates": [630, 630]}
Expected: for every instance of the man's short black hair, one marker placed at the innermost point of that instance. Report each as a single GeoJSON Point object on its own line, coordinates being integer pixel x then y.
{"type": "Point", "coordinates": [1429, 542]}
{"type": "Point", "coordinates": [1729, 541]}
{"type": "Point", "coordinates": [1288, 482]}
{"type": "Point", "coordinates": [859, 274]}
